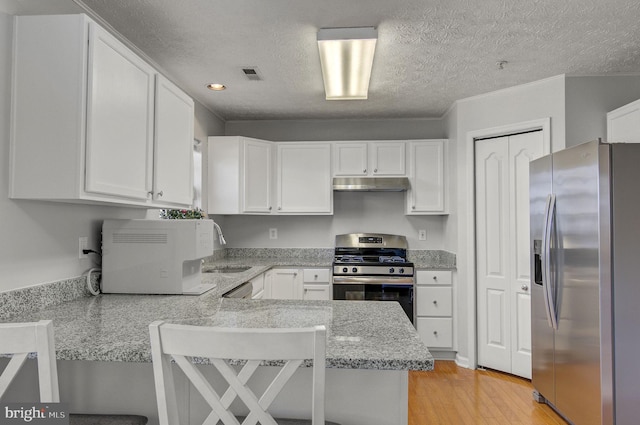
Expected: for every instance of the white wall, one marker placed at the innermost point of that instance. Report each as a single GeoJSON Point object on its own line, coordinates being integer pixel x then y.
{"type": "Point", "coordinates": [39, 240]}
{"type": "Point", "coordinates": [528, 102]}
{"type": "Point", "coordinates": [378, 212]}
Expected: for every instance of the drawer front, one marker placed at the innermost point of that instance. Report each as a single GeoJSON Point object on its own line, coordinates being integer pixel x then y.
{"type": "Point", "coordinates": [433, 277]}
{"type": "Point", "coordinates": [435, 332]}
{"type": "Point", "coordinates": [433, 301]}
{"type": "Point", "coordinates": [316, 292]}
{"type": "Point", "coordinates": [316, 275]}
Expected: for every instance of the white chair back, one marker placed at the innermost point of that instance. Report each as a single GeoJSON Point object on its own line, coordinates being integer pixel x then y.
{"type": "Point", "coordinates": [292, 346]}
{"type": "Point", "coordinates": [20, 339]}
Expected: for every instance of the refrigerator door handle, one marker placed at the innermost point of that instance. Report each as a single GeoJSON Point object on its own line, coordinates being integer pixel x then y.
{"type": "Point", "coordinates": [547, 281]}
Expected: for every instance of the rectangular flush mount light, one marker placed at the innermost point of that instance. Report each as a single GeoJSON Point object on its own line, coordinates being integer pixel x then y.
{"type": "Point", "coordinates": [346, 56]}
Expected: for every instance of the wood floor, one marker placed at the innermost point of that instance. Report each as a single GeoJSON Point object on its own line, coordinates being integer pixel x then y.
{"type": "Point", "coordinates": [451, 395]}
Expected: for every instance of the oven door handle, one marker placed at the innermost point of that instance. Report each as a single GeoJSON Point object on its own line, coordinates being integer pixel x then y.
{"type": "Point", "coordinates": [373, 280]}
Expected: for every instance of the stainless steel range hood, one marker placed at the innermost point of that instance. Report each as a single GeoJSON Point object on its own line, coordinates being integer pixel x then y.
{"type": "Point", "coordinates": [370, 184]}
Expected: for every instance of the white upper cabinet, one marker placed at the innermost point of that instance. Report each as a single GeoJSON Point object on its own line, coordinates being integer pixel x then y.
{"type": "Point", "coordinates": [623, 124]}
{"type": "Point", "coordinates": [240, 176]}
{"type": "Point", "coordinates": [428, 178]}
{"type": "Point", "coordinates": [364, 158]}
{"type": "Point", "coordinates": [304, 183]}
{"type": "Point", "coordinates": [83, 114]}
{"type": "Point", "coordinates": [173, 149]}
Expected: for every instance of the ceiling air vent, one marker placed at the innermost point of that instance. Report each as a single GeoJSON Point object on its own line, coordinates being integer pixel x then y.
{"type": "Point", "coordinates": [252, 73]}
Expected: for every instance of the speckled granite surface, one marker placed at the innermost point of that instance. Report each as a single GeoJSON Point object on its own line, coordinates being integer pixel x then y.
{"type": "Point", "coordinates": [41, 296]}
{"type": "Point", "coordinates": [360, 335]}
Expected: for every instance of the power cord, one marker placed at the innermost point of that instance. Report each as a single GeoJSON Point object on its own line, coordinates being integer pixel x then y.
{"type": "Point", "coordinates": [89, 285]}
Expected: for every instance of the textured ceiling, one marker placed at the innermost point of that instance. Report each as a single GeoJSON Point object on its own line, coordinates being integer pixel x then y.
{"type": "Point", "coordinates": [429, 53]}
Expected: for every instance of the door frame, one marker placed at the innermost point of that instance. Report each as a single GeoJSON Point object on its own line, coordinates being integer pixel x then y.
{"type": "Point", "coordinates": [543, 124]}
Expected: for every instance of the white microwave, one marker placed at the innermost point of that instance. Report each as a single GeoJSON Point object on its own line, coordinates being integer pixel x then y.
{"type": "Point", "coordinates": [155, 256]}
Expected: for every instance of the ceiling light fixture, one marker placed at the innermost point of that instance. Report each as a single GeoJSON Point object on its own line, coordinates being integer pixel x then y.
{"type": "Point", "coordinates": [346, 56]}
{"type": "Point", "coordinates": [216, 86]}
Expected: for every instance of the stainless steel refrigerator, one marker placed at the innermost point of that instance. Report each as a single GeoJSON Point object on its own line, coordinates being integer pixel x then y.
{"type": "Point", "coordinates": [585, 260]}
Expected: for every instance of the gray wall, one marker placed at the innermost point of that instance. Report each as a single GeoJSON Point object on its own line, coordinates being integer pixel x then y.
{"type": "Point", "coordinates": [39, 240]}
{"type": "Point", "coordinates": [589, 98]}
{"type": "Point", "coordinates": [291, 130]}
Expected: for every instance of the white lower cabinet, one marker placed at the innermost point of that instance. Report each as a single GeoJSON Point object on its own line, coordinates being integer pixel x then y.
{"type": "Point", "coordinates": [434, 308]}
{"type": "Point", "coordinates": [316, 284]}
{"type": "Point", "coordinates": [298, 284]}
{"type": "Point", "coordinates": [257, 283]}
{"type": "Point", "coordinates": [285, 284]}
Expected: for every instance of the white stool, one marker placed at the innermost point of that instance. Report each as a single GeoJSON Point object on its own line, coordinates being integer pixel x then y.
{"type": "Point", "coordinates": [291, 346]}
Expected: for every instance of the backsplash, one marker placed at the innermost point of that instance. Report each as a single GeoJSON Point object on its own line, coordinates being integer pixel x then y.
{"type": "Point", "coordinates": [34, 298]}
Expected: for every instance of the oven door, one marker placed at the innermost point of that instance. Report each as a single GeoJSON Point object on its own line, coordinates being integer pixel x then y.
{"type": "Point", "coordinates": [362, 288]}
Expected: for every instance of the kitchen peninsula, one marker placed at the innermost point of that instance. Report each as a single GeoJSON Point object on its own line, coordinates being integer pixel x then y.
{"type": "Point", "coordinates": [104, 355]}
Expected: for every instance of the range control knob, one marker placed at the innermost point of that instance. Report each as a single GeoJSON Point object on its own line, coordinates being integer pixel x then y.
{"type": "Point", "coordinates": [354, 270]}
{"type": "Point", "coordinates": [344, 270]}
{"type": "Point", "coordinates": [401, 271]}
{"type": "Point", "coordinates": [391, 270]}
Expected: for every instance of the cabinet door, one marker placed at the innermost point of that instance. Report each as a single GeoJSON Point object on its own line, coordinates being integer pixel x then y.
{"type": "Point", "coordinates": [256, 176]}
{"type": "Point", "coordinates": [387, 158]}
{"type": "Point", "coordinates": [304, 178]}
{"type": "Point", "coordinates": [119, 119]}
{"type": "Point", "coordinates": [623, 124]}
{"type": "Point", "coordinates": [350, 159]}
{"type": "Point", "coordinates": [427, 174]}
{"type": "Point", "coordinates": [173, 149]}
{"type": "Point", "coordinates": [285, 284]}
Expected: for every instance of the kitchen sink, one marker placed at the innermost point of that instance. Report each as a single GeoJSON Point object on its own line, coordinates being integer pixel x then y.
{"type": "Point", "coordinates": [227, 269]}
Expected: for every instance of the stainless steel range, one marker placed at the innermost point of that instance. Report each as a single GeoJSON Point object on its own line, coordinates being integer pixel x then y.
{"type": "Point", "coordinates": [373, 267]}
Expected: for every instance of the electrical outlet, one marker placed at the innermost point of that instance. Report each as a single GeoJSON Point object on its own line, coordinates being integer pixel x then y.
{"type": "Point", "coordinates": [83, 243]}
{"type": "Point", "coordinates": [273, 233]}
{"type": "Point", "coordinates": [422, 235]}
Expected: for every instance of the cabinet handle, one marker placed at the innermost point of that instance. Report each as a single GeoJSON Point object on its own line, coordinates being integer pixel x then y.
{"type": "Point", "coordinates": [524, 287]}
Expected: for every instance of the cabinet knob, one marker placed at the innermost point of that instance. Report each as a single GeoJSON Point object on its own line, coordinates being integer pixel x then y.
{"type": "Point", "coordinates": [435, 278]}
{"type": "Point", "coordinates": [364, 171]}
{"type": "Point", "coordinates": [315, 276]}
{"type": "Point", "coordinates": [435, 333]}
{"type": "Point", "coordinates": [375, 170]}
{"type": "Point", "coordinates": [435, 302]}
{"type": "Point", "coordinates": [413, 207]}
{"type": "Point", "coordinates": [150, 193]}
{"type": "Point", "coordinates": [279, 208]}
{"type": "Point", "coordinates": [270, 208]}
{"type": "Point", "coordinates": [160, 193]}
{"type": "Point", "coordinates": [524, 287]}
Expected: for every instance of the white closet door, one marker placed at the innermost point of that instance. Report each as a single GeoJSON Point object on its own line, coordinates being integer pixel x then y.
{"type": "Point", "coordinates": [502, 227]}
{"type": "Point", "coordinates": [492, 218]}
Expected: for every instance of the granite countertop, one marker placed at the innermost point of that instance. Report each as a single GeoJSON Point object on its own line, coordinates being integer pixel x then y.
{"type": "Point", "coordinates": [108, 327]}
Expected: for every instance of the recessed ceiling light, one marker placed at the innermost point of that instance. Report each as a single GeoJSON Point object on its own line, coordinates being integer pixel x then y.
{"type": "Point", "coordinates": [216, 86]}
